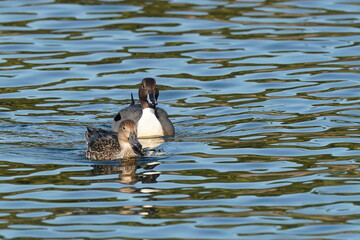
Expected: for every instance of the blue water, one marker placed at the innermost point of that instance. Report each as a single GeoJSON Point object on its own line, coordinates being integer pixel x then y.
{"type": "Point", "coordinates": [264, 96]}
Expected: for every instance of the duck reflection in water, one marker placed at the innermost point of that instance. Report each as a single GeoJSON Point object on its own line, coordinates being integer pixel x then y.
{"type": "Point", "coordinates": [127, 172]}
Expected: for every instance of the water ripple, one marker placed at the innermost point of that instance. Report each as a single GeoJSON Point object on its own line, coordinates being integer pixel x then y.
{"type": "Point", "coordinates": [263, 95]}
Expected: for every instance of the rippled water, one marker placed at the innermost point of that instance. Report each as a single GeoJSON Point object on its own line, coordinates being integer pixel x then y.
{"type": "Point", "coordinates": [264, 96]}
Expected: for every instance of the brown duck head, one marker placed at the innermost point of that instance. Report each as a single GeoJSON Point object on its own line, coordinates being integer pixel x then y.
{"type": "Point", "coordinates": [148, 93]}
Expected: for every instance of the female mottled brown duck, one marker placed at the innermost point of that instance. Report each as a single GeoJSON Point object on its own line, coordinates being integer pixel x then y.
{"type": "Point", "coordinates": [108, 145]}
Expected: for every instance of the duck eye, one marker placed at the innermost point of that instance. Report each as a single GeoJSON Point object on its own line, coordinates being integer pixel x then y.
{"type": "Point", "coordinates": [143, 86]}
{"type": "Point", "coordinates": [123, 128]}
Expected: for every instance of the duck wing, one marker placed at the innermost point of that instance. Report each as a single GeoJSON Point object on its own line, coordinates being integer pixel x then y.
{"type": "Point", "coordinates": [132, 112]}
{"type": "Point", "coordinates": [100, 140]}
{"type": "Point", "coordinates": [166, 124]}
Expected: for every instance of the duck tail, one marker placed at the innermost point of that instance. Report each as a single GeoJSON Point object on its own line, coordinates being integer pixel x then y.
{"type": "Point", "coordinates": [88, 134]}
{"type": "Point", "coordinates": [132, 99]}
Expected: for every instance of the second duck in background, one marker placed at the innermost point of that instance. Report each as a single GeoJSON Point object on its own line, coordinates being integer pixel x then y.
{"type": "Point", "coordinates": [151, 121]}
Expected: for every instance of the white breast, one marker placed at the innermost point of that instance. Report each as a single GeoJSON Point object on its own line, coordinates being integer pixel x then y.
{"type": "Point", "coordinates": [149, 125]}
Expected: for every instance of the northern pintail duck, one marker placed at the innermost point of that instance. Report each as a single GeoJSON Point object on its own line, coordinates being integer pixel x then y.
{"type": "Point", "coordinates": [109, 145]}
{"type": "Point", "coordinates": [151, 120]}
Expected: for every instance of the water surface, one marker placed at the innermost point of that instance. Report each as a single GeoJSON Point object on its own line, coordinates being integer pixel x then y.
{"type": "Point", "coordinates": [264, 96]}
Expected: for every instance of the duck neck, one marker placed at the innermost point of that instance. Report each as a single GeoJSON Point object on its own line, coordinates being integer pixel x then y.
{"type": "Point", "coordinates": [126, 149]}
{"type": "Point", "coordinates": [124, 143]}
{"type": "Point", "coordinates": [145, 104]}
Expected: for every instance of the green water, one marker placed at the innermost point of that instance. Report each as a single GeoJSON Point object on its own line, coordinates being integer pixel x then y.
{"type": "Point", "coordinates": [264, 97]}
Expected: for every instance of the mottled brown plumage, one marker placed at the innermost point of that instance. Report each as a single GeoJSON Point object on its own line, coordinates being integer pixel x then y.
{"type": "Point", "coordinates": [109, 145]}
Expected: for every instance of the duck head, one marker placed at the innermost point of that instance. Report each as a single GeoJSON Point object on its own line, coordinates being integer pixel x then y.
{"type": "Point", "coordinates": [148, 93]}
{"type": "Point", "coordinates": [127, 136]}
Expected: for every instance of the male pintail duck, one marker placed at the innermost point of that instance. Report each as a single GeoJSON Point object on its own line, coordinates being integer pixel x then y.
{"type": "Point", "coordinates": [151, 120]}
{"type": "Point", "coordinates": [108, 145]}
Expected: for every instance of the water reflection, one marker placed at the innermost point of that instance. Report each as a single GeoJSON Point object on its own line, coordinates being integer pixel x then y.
{"type": "Point", "coordinates": [126, 171]}
{"type": "Point", "coordinates": [151, 144]}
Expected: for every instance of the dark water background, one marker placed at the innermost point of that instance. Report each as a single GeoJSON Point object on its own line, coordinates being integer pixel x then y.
{"type": "Point", "coordinates": [264, 96]}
